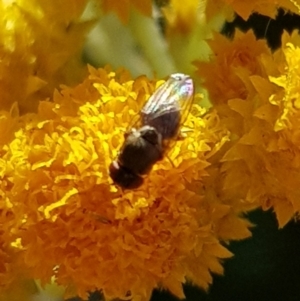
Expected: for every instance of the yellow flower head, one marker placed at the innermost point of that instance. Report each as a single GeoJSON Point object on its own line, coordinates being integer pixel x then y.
{"type": "Point", "coordinates": [227, 75]}
{"type": "Point", "coordinates": [246, 8]}
{"type": "Point", "coordinates": [287, 99]}
{"type": "Point", "coordinates": [261, 166]}
{"type": "Point", "coordinates": [283, 159]}
{"type": "Point", "coordinates": [10, 268]}
{"type": "Point", "coordinates": [75, 224]}
{"type": "Point", "coordinates": [38, 45]}
{"type": "Point", "coordinates": [6, 273]}
{"type": "Point", "coordinates": [182, 16]}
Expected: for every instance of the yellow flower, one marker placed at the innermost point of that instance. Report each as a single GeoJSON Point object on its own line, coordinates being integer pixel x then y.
{"type": "Point", "coordinates": [122, 7]}
{"type": "Point", "coordinates": [287, 99]}
{"type": "Point", "coordinates": [75, 224]}
{"type": "Point", "coordinates": [246, 8]}
{"type": "Point", "coordinates": [283, 159]}
{"type": "Point", "coordinates": [261, 165]}
{"type": "Point", "coordinates": [182, 16]}
{"type": "Point", "coordinates": [6, 274]}
{"type": "Point", "coordinates": [226, 76]}
{"type": "Point", "coordinates": [12, 269]}
{"type": "Point", "coordinates": [39, 44]}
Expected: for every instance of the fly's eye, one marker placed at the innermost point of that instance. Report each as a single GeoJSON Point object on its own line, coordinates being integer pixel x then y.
{"type": "Point", "coordinates": [178, 76]}
{"type": "Point", "coordinates": [127, 133]}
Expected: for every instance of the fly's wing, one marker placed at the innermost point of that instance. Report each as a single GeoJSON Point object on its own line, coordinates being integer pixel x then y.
{"type": "Point", "coordinates": [137, 104]}
{"type": "Point", "coordinates": [168, 107]}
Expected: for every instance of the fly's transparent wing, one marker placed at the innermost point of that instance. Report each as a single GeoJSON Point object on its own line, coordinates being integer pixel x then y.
{"type": "Point", "coordinates": [168, 107]}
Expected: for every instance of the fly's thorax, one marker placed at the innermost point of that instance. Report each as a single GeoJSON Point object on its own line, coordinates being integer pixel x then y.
{"type": "Point", "coordinates": [141, 150]}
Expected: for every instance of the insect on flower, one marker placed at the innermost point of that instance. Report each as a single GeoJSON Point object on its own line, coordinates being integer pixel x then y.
{"type": "Point", "coordinates": [158, 124]}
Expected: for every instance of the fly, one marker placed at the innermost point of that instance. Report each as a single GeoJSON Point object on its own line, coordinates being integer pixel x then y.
{"type": "Point", "coordinates": [159, 123]}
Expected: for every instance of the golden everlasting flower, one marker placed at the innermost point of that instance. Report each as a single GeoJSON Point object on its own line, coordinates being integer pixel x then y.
{"type": "Point", "coordinates": [38, 49]}
{"type": "Point", "coordinates": [261, 165]}
{"type": "Point", "coordinates": [282, 111]}
{"type": "Point", "coordinates": [74, 224]}
{"type": "Point", "coordinates": [226, 76]}
{"type": "Point", "coordinates": [182, 15]}
{"type": "Point", "coordinates": [6, 273]}
{"type": "Point", "coordinates": [246, 8]}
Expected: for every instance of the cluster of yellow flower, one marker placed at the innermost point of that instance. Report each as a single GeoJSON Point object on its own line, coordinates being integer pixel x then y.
{"type": "Point", "coordinates": [256, 96]}
{"type": "Point", "coordinates": [63, 218]}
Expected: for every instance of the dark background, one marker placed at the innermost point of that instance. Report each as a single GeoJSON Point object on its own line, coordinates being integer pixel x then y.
{"type": "Point", "coordinates": [264, 27]}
